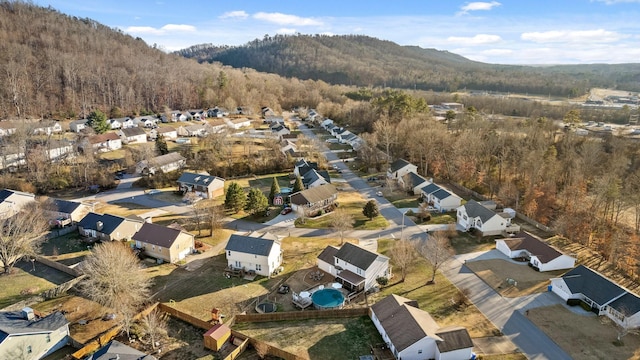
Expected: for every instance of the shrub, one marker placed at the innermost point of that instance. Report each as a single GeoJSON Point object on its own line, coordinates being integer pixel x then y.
{"type": "Point", "coordinates": [573, 302]}
{"type": "Point", "coordinates": [382, 280]}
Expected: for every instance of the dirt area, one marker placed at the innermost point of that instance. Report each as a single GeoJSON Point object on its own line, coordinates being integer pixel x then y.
{"type": "Point", "coordinates": [79, 310]}
{"type": "Point", "coordinates": [584, 337]}
{"type": "Point", "coordinates": [510, 279]}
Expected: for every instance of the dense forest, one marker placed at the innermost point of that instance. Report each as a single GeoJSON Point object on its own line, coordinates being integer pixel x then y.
{"type": "Point", "coordinates": [366, 61]}
{"type": "Point", "coordinates": [586, 188]}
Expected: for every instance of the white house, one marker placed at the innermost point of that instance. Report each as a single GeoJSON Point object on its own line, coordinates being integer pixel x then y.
{"type": "Point", "coordinates": [47, 127]}
{"type": "Point", "coordinates": [541, 255]}
{"type": "Point", "coordinates": [166, 163]}
{"type": "Point", "coordinates": [412, 334]}
{"type": "Point", "coordinates": [167, 132]}
{"type": "Point", "coordinates": [24, 335]}
{"type": "Point", "coordinates": [604, 296]}
{"type": "Point", "coordinates": [11, 201]}
{"type": "Point", "coordinates": [259, 254]}
{"type": "Point", "coordinates": [144, 121]}
{"type": "Point", "coordinates": [472, 215]}
{"type": "Point", "coordinates": [444, 200]}
{"type": "Point", "coordinates": [356, 268]}
{"type": "Point", "coordinates": [217, 125]}
{"type": "Point", "coordinates": [105, 142]}
{"type": "Point", "coordinates": [192, 130]}
{"type": "Point", "coordinates": [133, 135]}
{"type": "Point", "coordinates": [78, 125]}
{"type": "Point", "coordinates": [399, 168]}
{"type": "Point", "coordinates": [313, 178]}
{"type": "Point", "coordinates": [413, 182]}
{"type": "Point", "coordinates": [326, 122]}
{"type": "Point", "coordinates": [7, 128]}
{"type": "Point", "coordinates": [202, 184]}
{"type": "Point", "coordinates": [238, 123]}
{"type": "Point", "coordinates": [301, 166]}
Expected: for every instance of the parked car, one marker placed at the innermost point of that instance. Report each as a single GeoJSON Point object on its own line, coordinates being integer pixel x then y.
{"type": "Point", "coordinates": [379, 193]}
{"type": "Point", "coordinates": [286, 210]}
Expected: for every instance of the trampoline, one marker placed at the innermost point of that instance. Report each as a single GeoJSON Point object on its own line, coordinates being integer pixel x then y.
{"type": "Point", "coordinates": [327, 299]}
{"type": "Point", "coordinates": [266, 307]}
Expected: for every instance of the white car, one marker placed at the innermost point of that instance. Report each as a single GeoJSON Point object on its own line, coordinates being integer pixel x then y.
{"type": "Point", "coordinates": [379, 193]}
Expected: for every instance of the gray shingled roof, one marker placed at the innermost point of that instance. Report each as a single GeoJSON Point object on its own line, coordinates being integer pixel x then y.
{"type": "Point", "coordinates": [118, 350]}
{"type": "Point", "coordinates": [109, 222]}
{"type": "Point", "coordinates": [596, 287]}
{"type": "Point", "coordinates": [12, 322]}
{"type": "Point", "coordinates": [328, 255]}
{"type": "Point", "coordinates": [627, 304]}
{"type": "Point", "coordinates": [197, 179]}
{"type": "Point", "coordinates": [63, 206]}
{"type": "Point", "coordinates": [441, 194]}
{"type": "Point", "coordinates": [408, 325]}
{"type": "Point", "coordinates": [431, 188]}
{"type": "Point", "coordinates": [156, 235]}
{"type": "Point", "coordinates": [356, 256]}
{"type": "Point", "coordinates": [474, 210]}
{"type": "Point", "coordinates": [313, 175]}
{"type": "Point", "coordinates": [412, 179]}
{"type": "Point", "coordinates": [537, 247]}
{"type": "Point", "coordinates": [388, 305]}
{"type": "Point", "coordinates": [453, 338]}
{"type": "Point", "coordinates": [166, 159]}
{"type": "Point", "coordinates": [398, 164]}
{"type": "Point", "coordinates": [314, 195]}
{"type": "Point", "coordinates": [133, 131]}
{"type": "Point", "coordinates": [249, 245]}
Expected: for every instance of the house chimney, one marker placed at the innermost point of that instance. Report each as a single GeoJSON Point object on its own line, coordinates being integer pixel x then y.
{"type": "Point", "coordinates": [99, 225]}
{"type": "Point", "coordinates": [27, 313]}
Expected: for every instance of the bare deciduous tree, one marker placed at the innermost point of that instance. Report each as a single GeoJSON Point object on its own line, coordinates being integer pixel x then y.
{"type": "Point", "coordinates": [115, 279]}
{"type": "Point", "coordinates": [154, 325]}
{"type": "Point", "coordinates": [403, 253]}
{"type": "Point", "coordinates": [341, 221]}
{"type": "Point", "coordinates": [436, 249]}
{"type": "Point", "coordinates": [21, 235]}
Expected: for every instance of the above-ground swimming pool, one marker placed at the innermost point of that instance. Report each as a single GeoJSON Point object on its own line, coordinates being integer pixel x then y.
{"type": "Point", "coordinates": [327, 299]}
{"type": "Point", "coordinates": [266, 307]}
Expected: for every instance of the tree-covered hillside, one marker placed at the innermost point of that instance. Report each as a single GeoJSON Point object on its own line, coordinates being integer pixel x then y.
{"type": "Point", "coordinates": [366, 61]}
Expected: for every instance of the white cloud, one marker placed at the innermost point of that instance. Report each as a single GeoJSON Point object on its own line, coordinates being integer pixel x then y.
{"type": "Point", "coordinates": [480, 39]}
{"type": "Point", "coordinates": [148, 30]}
{"type": "Point", "coordinates": [238, 14]}
{"type": "Point", "coordinates": [613, 2]}
{"type": "Point", "coordinates": [178, 27]}
{"type": "Point", "coordinates": [286, 31]}
{"type": "Point", "coordinates": [478, 5]}
{"type": "Point", "coordinates": [285, 19]}
{"type": "Point", "coordinates": [573, 36]}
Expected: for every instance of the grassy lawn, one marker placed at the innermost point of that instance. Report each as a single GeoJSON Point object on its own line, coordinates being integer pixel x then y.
{"type": "Point", "coordinates": [121, 209]}
{"type": "Point", "coordinates": [353, 203]}
{"type": "Point", "coordinates": [442, 218]}
{"type": "Point", "coordinates": [65, 244]}
{"type": "Point", "coordinates": [337, 146]}
{"type": "Point", "coordinates": [330, 339]}
{"type": "Point", "coordinates": [23, 282]}
{"type": "Point", "coordinates": [435, 298]}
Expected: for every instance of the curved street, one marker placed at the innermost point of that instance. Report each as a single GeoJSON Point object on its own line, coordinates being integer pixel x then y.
{"type": "Point", "coordinates": [505, 314]}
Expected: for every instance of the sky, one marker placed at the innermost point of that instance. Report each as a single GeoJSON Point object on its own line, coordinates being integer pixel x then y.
{"type": "Point", "coordinates": [526, 32]}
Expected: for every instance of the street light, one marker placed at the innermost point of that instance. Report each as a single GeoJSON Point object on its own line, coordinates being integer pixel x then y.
{"type": "Point", "coordinates": [402, 228]}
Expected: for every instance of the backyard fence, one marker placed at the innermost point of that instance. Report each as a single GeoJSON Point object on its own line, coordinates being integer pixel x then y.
{"type": "Point", "coordinates": [62, 288]}
{"type": "Point", "coordinates": [54, 233]}
{"type": "Point", "coordinates": [58, 266]}
{"type": "Point", "coordinates": [302, 315]}
{"type": "Point", "coordinates": [185, 317]}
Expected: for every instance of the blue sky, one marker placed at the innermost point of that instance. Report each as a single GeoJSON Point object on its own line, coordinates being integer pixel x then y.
{"type": "Point", "coordinates": [501, 31]}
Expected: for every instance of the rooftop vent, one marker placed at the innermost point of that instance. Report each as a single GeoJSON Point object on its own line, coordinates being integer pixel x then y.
{"type": "Point", "coordinates": [27, 313]}
{"type": "Point", "coordinates": [197, 178]}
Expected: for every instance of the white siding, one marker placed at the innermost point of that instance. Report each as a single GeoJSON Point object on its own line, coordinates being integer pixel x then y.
{"type": "Point", "coordinates": [424, 348]}
{"type": "Point", "coordinates": [559, 263]}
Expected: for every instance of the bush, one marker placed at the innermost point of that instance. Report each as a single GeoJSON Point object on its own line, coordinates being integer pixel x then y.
{"type": "Point", "coordinates": [573, 302]}
{"type": "Point", "coordinates": [382, 280]}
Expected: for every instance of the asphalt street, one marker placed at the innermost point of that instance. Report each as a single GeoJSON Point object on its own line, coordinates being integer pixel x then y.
{"type": "Point", "coordinates": [505, 314]}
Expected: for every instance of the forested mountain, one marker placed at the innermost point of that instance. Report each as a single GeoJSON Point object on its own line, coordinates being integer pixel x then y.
{"type": "Point", "coordinates": [59, 66]}
{"type": "Point", "coordinates": [366, 61]}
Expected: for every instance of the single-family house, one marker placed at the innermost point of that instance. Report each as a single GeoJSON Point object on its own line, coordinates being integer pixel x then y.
{"type": "Point", "coordinates": [312, 201]}
{"type": "Point", "coordinates": [217, 125]}
{"type": "Point", "coordinates": [280, 130]}
{"type": "Point", "coordinates": [103, 142]}
{"type": "Point", "coordinates": [302, 166]}
{"type": "Point", "coordinates": [164, 243]}
{"type": "Point", "coordinates": [166, 163]}
{"type": "Point", "coordinates": [604, 296]}
{"type": "Point", "coordinates": [267, 112]}
{"type": "Point", "coordinates": [57, 209]}
{"type": "Point", "coordinates": [472, 215]}
{"type": "Point", "coordinates": [355, 267]}
{"type": "Point", "coordinates": [412, 334]}
{"type": "Point", "coordinates": [313, 178]}
{"type": "Point", "coordinates": [444, 200]}
{"type": "Point", "coordinates": [115, 123]}
{"type": "Point", "coordinates": [313, 116]}
{"type": "Point", "coordinates": [326, 122]}
{"type": "Point", "coordinates": [203, 185]}
{"type": "Point", "coordinates": [144, 122]}
{"type": "Point", "coordinates": [399, 168]}
{"type": "Point", "coordinates": [47, 127]}
{"type": "Point", "coordinates": [259, 254]}
{"type": "Point", "coordinates": [288, 147]}
{"type": "Point", "coordinates": [337, 131]}
{"type": "Point", "coordinates": [7, 128]}
{"type": "Point", "coordinates": [192, 130]}
{"type": "Point", "coordinates": [238, 123]}
{"type": "Point", "coordinates": [541, 256]}
{"type": "Point", "coordinates": [11, 201]}
{"type": "Point", "coordinates": [243, 110]}
{"type": "Point", "coordinates": [25, 335]}
{"type": "Point", "coordinates": [197, 114]}
{"type": "Point", "coordinates": [273, 120]}
{"type": "Point", "coordinates": [413, 182]}
{"type": "Point", "coordinates": [132, 135]}
{"type": "Point", "coordinates": [428, 189]}
{"type": "Point", "coordinates": [217, 112]}
{"type": "Point", "coordinates": [117, 350]}
{"type": "Point", "coordinates": [167, 132]}
{"type": "Point", "coordinates": [107, 227]}
{"type": "Point", "coordinates": [177, 115]}
{"type": "Point", "coordinates": [11, 156]}
{"type": "Point", "coordinates": [52, 149]}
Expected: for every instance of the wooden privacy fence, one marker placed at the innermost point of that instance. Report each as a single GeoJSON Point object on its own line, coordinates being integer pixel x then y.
{"type": "Point", "coordinates": [185, 317]}
{"type": "Point", "coordinates": [58, 266]}
{"type": "Point", "coordinates": [302, 315]}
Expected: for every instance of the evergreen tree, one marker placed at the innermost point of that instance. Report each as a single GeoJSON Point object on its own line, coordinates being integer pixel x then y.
{"type": "Point", "coordinates": [161, 145]}
{"type": "Point", "coordinates": [370, 209]}
{"type": "Point", "coordinates": [256, 201]}
{"type": "Point", "coordinates": [297, 186]}
{"type": "Point", "coordinates": [275, 189]}
{"type": "Point", "coordinates": [235, 198]}
{"type": "Point", "coordinates": [98, 121]}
